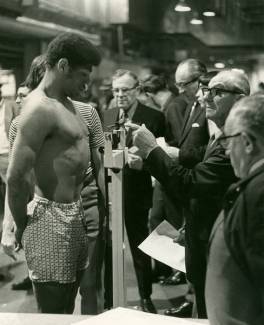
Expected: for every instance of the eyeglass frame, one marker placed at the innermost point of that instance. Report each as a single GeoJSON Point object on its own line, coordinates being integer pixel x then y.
{"type": "Point", "coordinates": [184, 84]}
{"type": "Point", "coordinates": [124, 90]}
{"type": "Point", "coordinates": [205, 90]}
{"type": "Point", "coordinates": [223, 139]}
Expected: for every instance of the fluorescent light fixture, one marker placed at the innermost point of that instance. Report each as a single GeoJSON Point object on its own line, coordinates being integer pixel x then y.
{"type": "Point", "coordinates": [196, 21]}
{"type": "Point", "coordinates": [182, 6]}
{"type": "Point", "coordinates": [219, 65]}
{"type": "Point", "coordinates": [209, 13]}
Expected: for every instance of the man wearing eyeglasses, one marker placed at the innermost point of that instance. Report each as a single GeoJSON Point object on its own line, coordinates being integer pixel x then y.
{"type": "Point", "coordinates": [137, 180]}
{"type": "Point", "coordinates": [236, 262]}
{"type": "Point", "coordinates": [187, 78]}
{"type": "Point", "coordinates": [203, 186]}
{"type": "Point", "coordinates": [182, 113]}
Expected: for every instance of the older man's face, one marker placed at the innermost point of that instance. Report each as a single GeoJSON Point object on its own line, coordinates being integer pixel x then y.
{"type": "Point", "coordinates": [235, 146]}
{"type": "Point", "coordinates": [125, 91]}
{"type": "Point", "coordinates": [218, 102]}
{"type": "Point", "coordinates": [187, 80]}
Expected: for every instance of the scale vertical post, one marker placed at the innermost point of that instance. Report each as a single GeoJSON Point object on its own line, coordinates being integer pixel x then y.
{"type": "Point", "coordinates": [115, 161]}
{"type": "Point", "coordinates": [119, 291]}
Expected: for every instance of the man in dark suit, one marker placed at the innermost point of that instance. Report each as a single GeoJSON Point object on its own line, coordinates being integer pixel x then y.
{"type": "Point", "coordinates": [202, 187]}
{"type": "Point", "coordinates": [137, 181]}
{"type": "Point", "coordinates": [189, 117]}
{"type": "Point", "coordinates": [186, 78]}
{"type": "Point", "coordinates": [192, 146]}
{"type": "Point", "coordinates": [236, 261]}
{"type": "Point", "coordinates": [195, 133]}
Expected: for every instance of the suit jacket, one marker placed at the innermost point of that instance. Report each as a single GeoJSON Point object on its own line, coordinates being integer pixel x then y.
{"type": "Point", "coordinates": [194, 137]}
{"type": "Point", "coordinates": [11, 111]}
{"type": "Point", "coordinates": [201, 190]}
{"type": "Point", "coordinates": [137, 184]}
{"type": "Point", "coordinates": [243, 226]}
{"type": "Point", "coordinates": [174, 115]}
{"type": "Point", "coordinates": [244, 259]}
{"type": "Point", "coordinates": [206, 183]}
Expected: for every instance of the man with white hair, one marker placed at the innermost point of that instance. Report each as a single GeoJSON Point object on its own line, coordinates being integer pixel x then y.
{"type": "Point", "coordinates": [202, 187]}
{"type": "Point", "coordinates": [236, 259]}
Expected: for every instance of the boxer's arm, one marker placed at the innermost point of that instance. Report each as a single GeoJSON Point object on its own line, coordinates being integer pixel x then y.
{"type": "Point", "coordinates": [28, 142]}
{"type": "Point", "coordinates": [8, 240]}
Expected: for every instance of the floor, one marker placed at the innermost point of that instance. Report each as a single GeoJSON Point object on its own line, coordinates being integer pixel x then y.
{"type": "Point", "coordinates": [24, 302]}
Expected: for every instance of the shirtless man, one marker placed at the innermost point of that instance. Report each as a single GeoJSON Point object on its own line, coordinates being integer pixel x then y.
{"type": "Point", "coordinates": [51, 152]}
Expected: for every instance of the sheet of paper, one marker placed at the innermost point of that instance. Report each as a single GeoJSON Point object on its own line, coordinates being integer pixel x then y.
{"type": "Point", "coordinates": [125, 316]}
{"type": "Point", "coordinates": [160, 246]}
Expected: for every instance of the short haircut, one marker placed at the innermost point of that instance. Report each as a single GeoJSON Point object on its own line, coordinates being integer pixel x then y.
{"type": "Point", "coordinates": [122, 72]}
{"type": "Point", "coordinates": [36, 72]}
{"type": "Point", "coordinates": [249, 113]}
{"type": "Point", "coordinates": [232, 79]}
{"type": "Point", "coordinates": [77, 49]}
{"type": "Point", "coordinates": [205, 78]}
{"type": "Point", "coordinates": [154, 83]}
{"type": "Point", "coordinates": [197, 67]}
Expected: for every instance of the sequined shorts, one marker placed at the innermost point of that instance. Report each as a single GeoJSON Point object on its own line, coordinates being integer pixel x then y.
{"type": "Point", "coordinates": [55, 241]}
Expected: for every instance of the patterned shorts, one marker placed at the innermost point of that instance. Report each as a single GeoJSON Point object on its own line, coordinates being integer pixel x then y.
{"type": "Point", "coordinates": [55, 241]}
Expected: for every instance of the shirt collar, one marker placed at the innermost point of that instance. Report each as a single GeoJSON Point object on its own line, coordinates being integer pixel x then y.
{"type": "Point", "coordinates": [256, 165]}
{"type": "Point", "coordinates": [214, 130]}
{"type": "Point", "coordinates": [131, 110]}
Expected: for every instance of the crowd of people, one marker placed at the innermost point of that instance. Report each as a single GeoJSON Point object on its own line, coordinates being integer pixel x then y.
{"type": "Point", "coordinates": [208, 182]}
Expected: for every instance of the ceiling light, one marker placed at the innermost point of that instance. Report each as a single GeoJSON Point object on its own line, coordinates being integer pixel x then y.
{"type": "Point", "coordinates": [209, 13]}
{"type": "Point", "coordinates": [196, 20]}
{"type": "Point", "coordinates": [182, 6]}
{"type": "Point", "coordinates": [219, 65]}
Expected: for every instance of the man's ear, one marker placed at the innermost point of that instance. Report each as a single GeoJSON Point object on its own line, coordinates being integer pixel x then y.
{"type": "Point", "coordinates": [248, 142]}
{"type": "Point", "coordinates": [63, 65]}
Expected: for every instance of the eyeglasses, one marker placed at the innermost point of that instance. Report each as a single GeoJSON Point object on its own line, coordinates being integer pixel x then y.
{"type": "Point", "coordinates": [217, 91]}
{"type": "Point", "coordinates": [224, 140]}
{"type": "Point", "coordinates": [124, 90]}
{"type": "Point", "coordinates": [184, 84]}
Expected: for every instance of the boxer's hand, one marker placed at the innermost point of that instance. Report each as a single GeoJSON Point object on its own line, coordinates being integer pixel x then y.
{"type": "Point", "coordinates": [142, 138]}
{"type": "Point", "coordinates": [19, 234]}
{"type": "Point", "coordinates": [135, 162]}
{"type": "Point", "coordinates": [9, 244]}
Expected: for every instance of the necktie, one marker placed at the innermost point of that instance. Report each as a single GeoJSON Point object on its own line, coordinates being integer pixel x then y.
{"type": "Point", "coordinates": [211, 140]}
{"type": "Point", "coordinates": [192, 114]}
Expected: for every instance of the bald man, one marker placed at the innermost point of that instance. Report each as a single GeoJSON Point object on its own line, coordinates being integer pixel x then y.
{"type": "Point", "coordinates": [203, 186]}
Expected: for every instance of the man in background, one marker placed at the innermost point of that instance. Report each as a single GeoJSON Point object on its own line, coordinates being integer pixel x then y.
{"type": "Point", "coordinates": [137, 180]}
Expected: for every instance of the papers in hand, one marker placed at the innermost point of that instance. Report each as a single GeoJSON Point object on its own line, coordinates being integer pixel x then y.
{"type": "Point", "coordinates": [160, 246]}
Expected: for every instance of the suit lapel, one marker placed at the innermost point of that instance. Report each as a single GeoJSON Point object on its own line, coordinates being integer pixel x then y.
{"type": "Point", "coordinates": [185, 120]}
{"type": "Point", "coordinates": [189, 122]}
{"type": "Point", "coordinates": [210, 148]}
{"type": "Point", "coordinates": [136, 118]}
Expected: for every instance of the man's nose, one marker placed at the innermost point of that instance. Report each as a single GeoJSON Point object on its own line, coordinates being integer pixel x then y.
{"type": "Point", "coordinates": [227, 152]}
{"type": "Point", "coordinates": [207, 97]}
